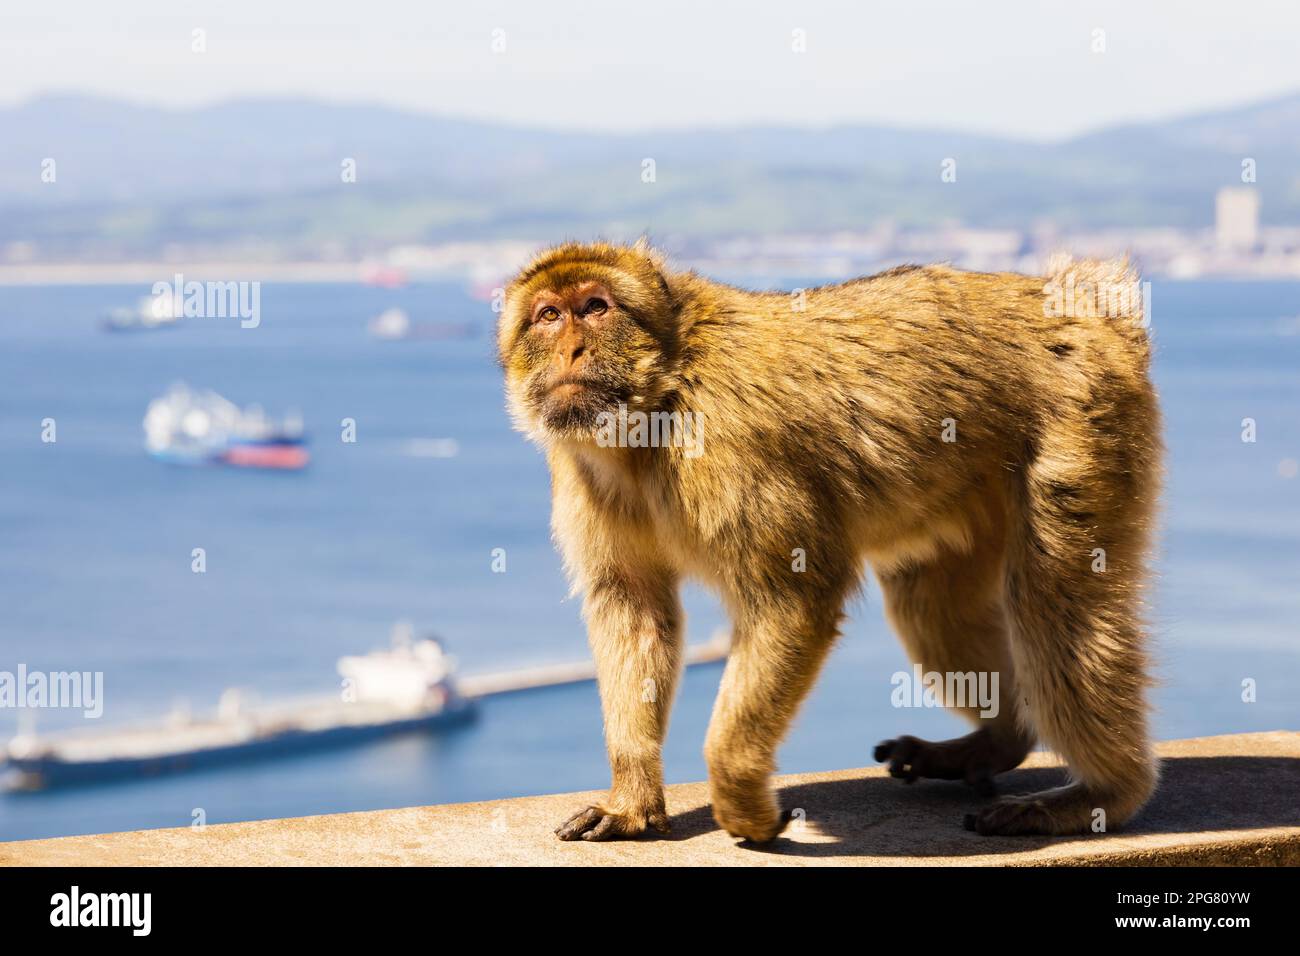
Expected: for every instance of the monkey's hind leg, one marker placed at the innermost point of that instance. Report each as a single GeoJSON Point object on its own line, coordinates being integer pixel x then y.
{"type": "Point", "coordinates": [949, 614]}
{"type": "Point", "coordinates": [1074, 595]}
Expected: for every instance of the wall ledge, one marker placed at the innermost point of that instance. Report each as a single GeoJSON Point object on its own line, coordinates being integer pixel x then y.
{"type": "Point", "coordinates": [1228, 800]}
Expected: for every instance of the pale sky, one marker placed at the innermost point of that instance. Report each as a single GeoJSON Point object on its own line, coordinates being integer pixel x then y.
{"type": "Point", "coordinates": [1017, 67]}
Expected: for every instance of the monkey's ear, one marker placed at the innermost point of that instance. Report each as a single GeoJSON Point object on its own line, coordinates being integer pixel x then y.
{"type": "Point", "coordinates": [643, 247]}
{"type": "Point", "coordinates": [658, 263]}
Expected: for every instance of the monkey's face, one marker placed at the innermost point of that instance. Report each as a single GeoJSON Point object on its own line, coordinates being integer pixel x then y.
{"type": "Point", "coordinates": [581, 336]}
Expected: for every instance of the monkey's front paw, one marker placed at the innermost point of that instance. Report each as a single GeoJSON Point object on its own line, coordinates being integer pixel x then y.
{"type": "Point", "coordinates": [598, 823]}
{"type": "Point", "coordinates": [753, 830]}
{"type": "Point", "coordinates": [750, 813]}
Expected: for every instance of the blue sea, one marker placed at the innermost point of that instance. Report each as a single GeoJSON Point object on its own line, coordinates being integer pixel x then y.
{"type": "Point", "coordinates": [96, 541]}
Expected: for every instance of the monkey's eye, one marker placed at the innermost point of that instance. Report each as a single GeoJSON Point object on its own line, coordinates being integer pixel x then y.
{"type": "Point", "coordinates": [548, 314]}
{"type": "Point", "coordinates": [595, 306]}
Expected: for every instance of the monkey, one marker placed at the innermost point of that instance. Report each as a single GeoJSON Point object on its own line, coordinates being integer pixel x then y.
{"type": "Point", "coordinates": [986, 446]}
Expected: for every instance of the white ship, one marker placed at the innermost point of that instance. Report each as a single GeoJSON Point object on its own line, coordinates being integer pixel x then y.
{"type": "Point", "coordinates": [151, 312]}
{"type": "Point", "coordinates": [408, 687]}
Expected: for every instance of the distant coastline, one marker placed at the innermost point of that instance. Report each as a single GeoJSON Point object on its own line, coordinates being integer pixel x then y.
{"type": "Point", "coordinates": [146, 273]}
{"type": "Point", "coordinates": [771, 258]}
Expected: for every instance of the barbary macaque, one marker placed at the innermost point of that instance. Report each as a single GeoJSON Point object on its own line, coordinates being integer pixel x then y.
{"type": "Point", "coordinates": [989, 444]}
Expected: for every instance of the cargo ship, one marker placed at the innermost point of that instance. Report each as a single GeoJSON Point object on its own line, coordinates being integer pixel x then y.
{"type": "Point", "coordinates": [189, 427]}
{"type": "Point", "coordinates": [411, 687]}
{"type": "Point", "coordinates": [407, 688]}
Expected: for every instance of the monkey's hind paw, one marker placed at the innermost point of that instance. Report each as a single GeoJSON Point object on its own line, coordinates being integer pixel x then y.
{"type": "Point", "coordinates": [911, 758]}
{"type": "Point", "coordinates": [595, 824]}
{"type": "Point", "coordinates": [1013, 816]}
{"type": "Point", "coordinates": [1071, 809]}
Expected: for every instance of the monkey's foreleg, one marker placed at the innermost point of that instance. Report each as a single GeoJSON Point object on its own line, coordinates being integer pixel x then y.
{"type": "Point", "coordinates": [774, 659]}
{"type": "Point", "coordinates": [635, 631]}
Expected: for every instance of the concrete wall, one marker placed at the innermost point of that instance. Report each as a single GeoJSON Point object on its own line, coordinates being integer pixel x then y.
{"type": "Point", "coordinates": [1222, 800]}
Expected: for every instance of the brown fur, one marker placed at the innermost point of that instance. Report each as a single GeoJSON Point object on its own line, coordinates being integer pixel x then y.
{"type": "Point", "coordinates": [823, 432]}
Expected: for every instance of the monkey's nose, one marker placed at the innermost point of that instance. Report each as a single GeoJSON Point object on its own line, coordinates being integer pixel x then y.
{"type": "Point", "coordinates": [570, 355]}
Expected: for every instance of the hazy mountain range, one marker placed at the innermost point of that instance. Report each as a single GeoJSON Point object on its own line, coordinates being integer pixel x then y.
{"type": "Point", "coordinates": [130, 179]}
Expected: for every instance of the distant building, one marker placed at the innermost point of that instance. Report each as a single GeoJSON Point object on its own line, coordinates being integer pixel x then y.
{"type": "Point", "coordinates": [1236, 218]}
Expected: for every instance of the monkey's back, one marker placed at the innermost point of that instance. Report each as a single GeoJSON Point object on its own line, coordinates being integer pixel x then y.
{"type": "Point", "coordinates": [904, 395]}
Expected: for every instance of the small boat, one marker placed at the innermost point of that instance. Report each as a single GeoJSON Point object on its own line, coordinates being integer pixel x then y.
{"type": "Point", "coordinates": [151, 312]}
{"type": "Point", "coordinates": [383, 276]}
{"type": "Point", "coordinates": [390, 324]}
{"type": "Point", "coordinates": [396, 325]}
{"type": "Point", "coordinates": [201, 427]}
{"type": "Point", "coordinates": [431, 448]}
{"type": "Point", "coordinates": [406, 688]}
{"type": "Point", "coordinates": [486, 284]}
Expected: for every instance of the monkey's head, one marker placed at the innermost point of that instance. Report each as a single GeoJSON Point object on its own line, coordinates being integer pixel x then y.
{"type": "Point", "coordinates": [586, 328]}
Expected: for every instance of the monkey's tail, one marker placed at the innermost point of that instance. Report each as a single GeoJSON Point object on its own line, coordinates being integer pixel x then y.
{"type": "Point", "coordinates": [1108, 289]}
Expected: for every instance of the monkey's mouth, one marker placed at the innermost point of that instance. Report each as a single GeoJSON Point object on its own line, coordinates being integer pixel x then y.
{"type": "Point", "coordinates": [574, 385]}
{"type": "Point", "coordinates": [573, 403]}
